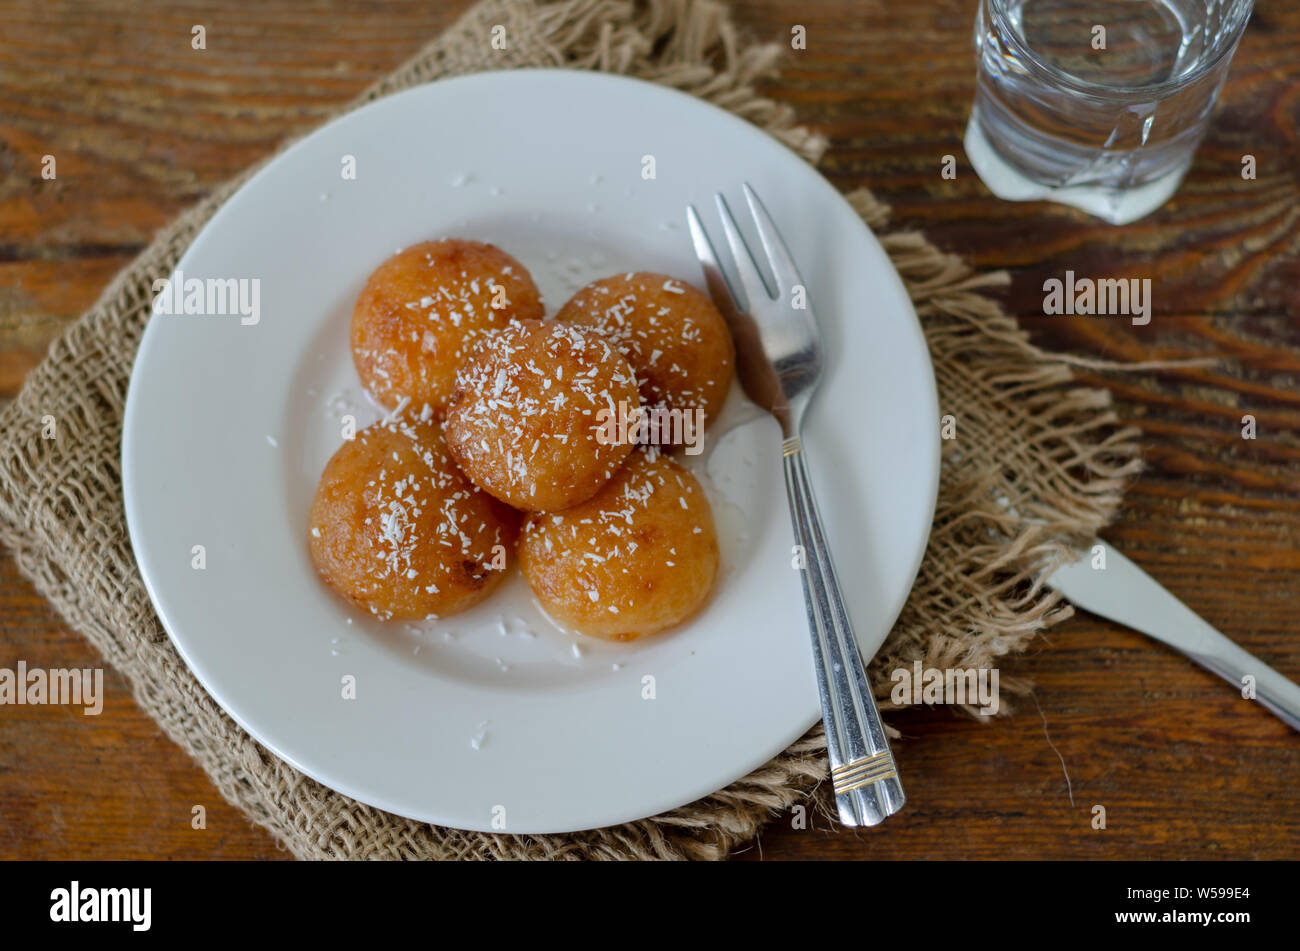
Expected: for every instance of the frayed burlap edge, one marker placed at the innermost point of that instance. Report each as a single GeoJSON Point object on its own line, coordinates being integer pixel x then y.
{"type": "Point", "coordinates": [1038, 464]}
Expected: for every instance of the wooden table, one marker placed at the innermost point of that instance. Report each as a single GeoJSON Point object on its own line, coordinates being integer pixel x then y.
{"type": "Point", "coordinates": [142, 125]}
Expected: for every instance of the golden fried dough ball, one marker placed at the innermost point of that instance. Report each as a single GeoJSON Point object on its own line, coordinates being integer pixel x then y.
{"type": "Point", "coordinates": [420, 310]}
{"type": "Point", "coordinates": [397, 530]}
{"type": "Point", "coordinates": [639, 557]}
{"type": "Point", "coordinates": [525, 422]}
{"type": "Point", "coordinates": [671, 333]}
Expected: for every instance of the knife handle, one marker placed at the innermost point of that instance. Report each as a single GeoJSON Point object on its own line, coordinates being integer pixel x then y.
{"type": "Point", "coordinates": [1232, 663]}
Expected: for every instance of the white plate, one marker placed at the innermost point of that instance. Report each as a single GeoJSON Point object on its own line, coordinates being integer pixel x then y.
{"type": "Point", "coordinates": [493, 715]}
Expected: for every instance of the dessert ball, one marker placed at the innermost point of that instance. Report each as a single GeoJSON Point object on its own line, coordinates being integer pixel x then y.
{"type": "Point", "coordinates": [638, 557]}
{"type": "Point", "coordinates": [529, 419]}
{"type": "Point", "coordinates": [422, 308]}
{"type": "Point", "coordinates": [396, 529]}
{"type": "Point", "coordinates": [671, 333]}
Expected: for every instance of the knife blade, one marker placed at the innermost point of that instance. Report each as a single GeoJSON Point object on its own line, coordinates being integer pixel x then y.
{"type": "Point", "coordinates": [1124, 593]}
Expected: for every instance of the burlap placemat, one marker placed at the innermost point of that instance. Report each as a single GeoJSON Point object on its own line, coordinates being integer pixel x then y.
{"type": "Point", "coordinates": [1036, 462]}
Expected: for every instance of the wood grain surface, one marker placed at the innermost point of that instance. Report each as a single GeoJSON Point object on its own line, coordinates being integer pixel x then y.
{"type": "Point", "coordinates": [141, 125]}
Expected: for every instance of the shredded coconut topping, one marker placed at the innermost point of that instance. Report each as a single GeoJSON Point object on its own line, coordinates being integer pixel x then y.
{"type": "Point", "coordinates": [418, 500]}
{"type": "Point", "coordinates": [527, 406]}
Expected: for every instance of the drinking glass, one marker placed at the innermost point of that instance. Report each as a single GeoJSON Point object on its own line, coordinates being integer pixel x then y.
{"type": "Point", "coordinates": [1099, 104]}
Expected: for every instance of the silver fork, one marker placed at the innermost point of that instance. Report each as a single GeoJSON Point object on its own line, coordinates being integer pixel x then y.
{"type": "Point", "coordinates": [779, 358]}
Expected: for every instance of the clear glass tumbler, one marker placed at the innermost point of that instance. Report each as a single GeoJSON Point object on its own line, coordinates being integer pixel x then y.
{"type": "Point", "coordinates": [1098, 104]}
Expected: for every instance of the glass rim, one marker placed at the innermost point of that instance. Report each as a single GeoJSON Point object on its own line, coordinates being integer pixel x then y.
{"type": "Point", "coordinates": [1241, 10]}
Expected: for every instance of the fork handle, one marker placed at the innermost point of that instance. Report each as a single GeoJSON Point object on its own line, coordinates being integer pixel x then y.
{"type": "Point", "coordinates": [863, 773]}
